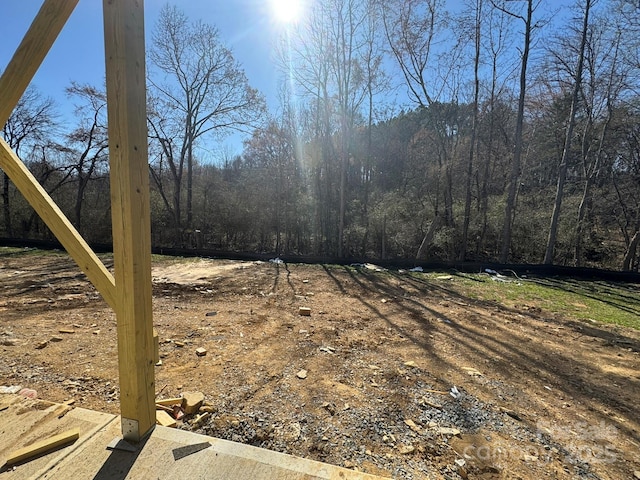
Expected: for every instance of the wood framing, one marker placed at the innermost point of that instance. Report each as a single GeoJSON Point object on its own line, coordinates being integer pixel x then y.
{"type": "Point", "coordinates": [130, 210]}
{"type": "Point", "coordinates": [129, 293]}
{"type": "Point", "coordinates": [61, 227]}
{"type": "Point", "coordinates": [35, 45]}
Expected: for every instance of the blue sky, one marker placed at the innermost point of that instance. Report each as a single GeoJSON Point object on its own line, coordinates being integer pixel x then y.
{"type": "Point", "coordinates": [246, 26]}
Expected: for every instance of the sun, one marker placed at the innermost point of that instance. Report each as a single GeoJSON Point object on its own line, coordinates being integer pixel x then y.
{"type": "Point", "coordinates": [286, 11]}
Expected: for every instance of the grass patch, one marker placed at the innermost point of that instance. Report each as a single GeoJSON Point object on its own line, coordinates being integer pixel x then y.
{"type": "Point", "coordinates": [603, 301]}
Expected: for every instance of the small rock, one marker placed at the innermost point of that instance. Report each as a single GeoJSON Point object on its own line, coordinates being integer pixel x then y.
{"type": "Point", "coordinates": [66, 330]}
{"type": "Point", "coordinates": [159, 364]}
{"type": "Point", "coordinates": [42, 344]}
{"type": "Point", "coordinates": [406, 449]}
{"type": "Point", "coordinates": [411, 364]}
{"type": "Point", "coordinates": [461, 462]}
{"type": "Point", "coordinates": [9, 342]}
{"type": "Point", "coordinates": [304, 311]}
{"type": "Point", "coordinates": [201, 351]}
{"type": "Point", "coordinates": [96, 332]}
{"type": "Point", "coordinates": [192, 401]}
{"type": "Point", "coordinates": [178, 344]}
{"type": "Point", "coordinates": [636, 474]}
{"type": "Point", "coordinates": [412, 425]}
{"type": "Point", "coordinates": [449, 431]}
{"type": "Point", "coordinates": [348, 464]}
{"type": "Point", "coordinates": [302, 374]}
{"type": "Point", "coordinates": [211, 314]}
{"type": "Point", "coordinates": [292, 432]}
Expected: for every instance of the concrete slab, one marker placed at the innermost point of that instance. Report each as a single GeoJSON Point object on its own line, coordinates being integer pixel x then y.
{"type": "Point", "coordinates": [25, 422]}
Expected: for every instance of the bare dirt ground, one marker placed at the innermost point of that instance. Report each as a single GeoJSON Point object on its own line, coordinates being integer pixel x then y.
{"type": "Point", "coordinates": [539, 395]}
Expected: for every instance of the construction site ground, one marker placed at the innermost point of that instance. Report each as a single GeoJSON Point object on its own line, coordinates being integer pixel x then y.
{"type": "Point", "coordinates": [395, 373]}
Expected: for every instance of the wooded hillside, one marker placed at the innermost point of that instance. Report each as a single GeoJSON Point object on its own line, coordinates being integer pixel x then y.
{"type": "Point", "coordinates": [502, 131]}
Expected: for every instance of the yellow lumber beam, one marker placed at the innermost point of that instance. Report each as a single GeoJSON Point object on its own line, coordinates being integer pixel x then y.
{"type": "Point", "coordinates": [43, 446]}
{"type": "Point", "coordinates": [61, 227]}
{"type": "Point", "coordinates": [130, 210]}
{"type": "Point", "coordinates": [31, 52]}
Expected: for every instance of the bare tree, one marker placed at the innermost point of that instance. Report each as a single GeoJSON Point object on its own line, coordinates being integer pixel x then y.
{"type": "Point", "coordinates": [29, 125]}
{"type": "Point", "coordinates": [87, 145]}
{"type": "Point", "coordinates": [477, 29]}
{"type": "Point", "coordinates": [564, 161]}
{"type": "Point", "coordinates": [199, 89]}
{"type": "Point", "coordinates": [514, 175]}
{"type": "Point", "coordinates": [333, 61]}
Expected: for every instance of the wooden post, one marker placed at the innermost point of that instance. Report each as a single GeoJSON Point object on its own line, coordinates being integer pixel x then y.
{"type": "Point", "coordinates": [126, 101]}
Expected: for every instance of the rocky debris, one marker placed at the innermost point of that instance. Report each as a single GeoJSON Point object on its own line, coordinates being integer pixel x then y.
{"type": "Point", "coordinates": [304, 311]}
{"type": "Point", "coordinates": [192, 401]}
{"type": "Point", "coordinates": [42, 344]}
{"type": "Point", "coordinates": [302, 374]}
{"type": "Point", "coordinates": [201, 351]}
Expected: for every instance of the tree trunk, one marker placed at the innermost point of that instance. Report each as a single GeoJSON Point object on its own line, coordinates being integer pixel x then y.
{"type": "Point", "coordinates": [631, 251]}
{"type": "Point", "coordinates": [514, 176]}
{"type": "Point", "coordinates": [6, 207]}
{"type": "Point", "coordinates": [472, 141]}
{"type": "Point", "coordinates": [428, 237]}
{"type": "Point", "coordinates": [190, 185]}
{"type": "Point", "coordinates": [564, 162]}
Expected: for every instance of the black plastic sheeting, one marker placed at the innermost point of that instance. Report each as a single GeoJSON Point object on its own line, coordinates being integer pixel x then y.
{"type": "Point", "coordinates": [391, 264]}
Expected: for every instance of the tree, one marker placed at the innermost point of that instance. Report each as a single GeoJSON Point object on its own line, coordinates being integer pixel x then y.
{"type": "Point", "coordinates": [30, 125]}
{"type": "Point", "coordinates": [87, 145]}
{"type": "Point", "coordinates": [514, 175]}
{"type": "Point", "coordinates": [198, 88]}
{"type": "Point", "coordinates": [416, 31]}
{"type": "Point", "coordinates": [564, 161]}
{"type": "Point", "coordinates": [477, 28]}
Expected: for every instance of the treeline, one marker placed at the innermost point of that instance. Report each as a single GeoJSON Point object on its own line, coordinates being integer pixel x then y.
{"type": "Point", "coordinates": [519, 141]}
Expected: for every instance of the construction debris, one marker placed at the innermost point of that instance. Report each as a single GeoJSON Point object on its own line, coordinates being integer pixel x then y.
{"type": "Point", "coordinates": [192, 401]}
{"type": "Point", "coordinates": [164, 419]}
{"type": "Point", "coordinates": [43, 446]}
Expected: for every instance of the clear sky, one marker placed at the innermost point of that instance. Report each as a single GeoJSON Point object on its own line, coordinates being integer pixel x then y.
{"type": "Point", "coordinates": [248, 27]}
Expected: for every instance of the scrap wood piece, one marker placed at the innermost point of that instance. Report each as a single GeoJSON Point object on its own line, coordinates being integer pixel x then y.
{"type": "Point", "coordinates": [169, 401]}
{"type": "Point", "coordinates": [187, 450]}
{"type": "Point", "coordinates": [164, 419]}
{"type": "Point", "coordinates": [43, 446]}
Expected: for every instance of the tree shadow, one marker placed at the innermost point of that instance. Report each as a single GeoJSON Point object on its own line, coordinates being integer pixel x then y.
{"type": "Point", "coordinates": [519, 345]}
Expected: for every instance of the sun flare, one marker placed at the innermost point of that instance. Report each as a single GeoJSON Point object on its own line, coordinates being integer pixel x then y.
{"type": "Point", "coordinates": [286, 11]}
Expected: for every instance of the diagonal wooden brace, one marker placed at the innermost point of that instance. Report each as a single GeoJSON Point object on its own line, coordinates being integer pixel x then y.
{"type": "Point", "coordinates": [59, 224]}
{"type": "Point", "coordinates": [31, 52]}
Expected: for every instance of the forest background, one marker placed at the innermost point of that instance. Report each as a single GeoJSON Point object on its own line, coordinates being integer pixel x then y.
{"type": "Point", "coordinates": [518, 140]}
